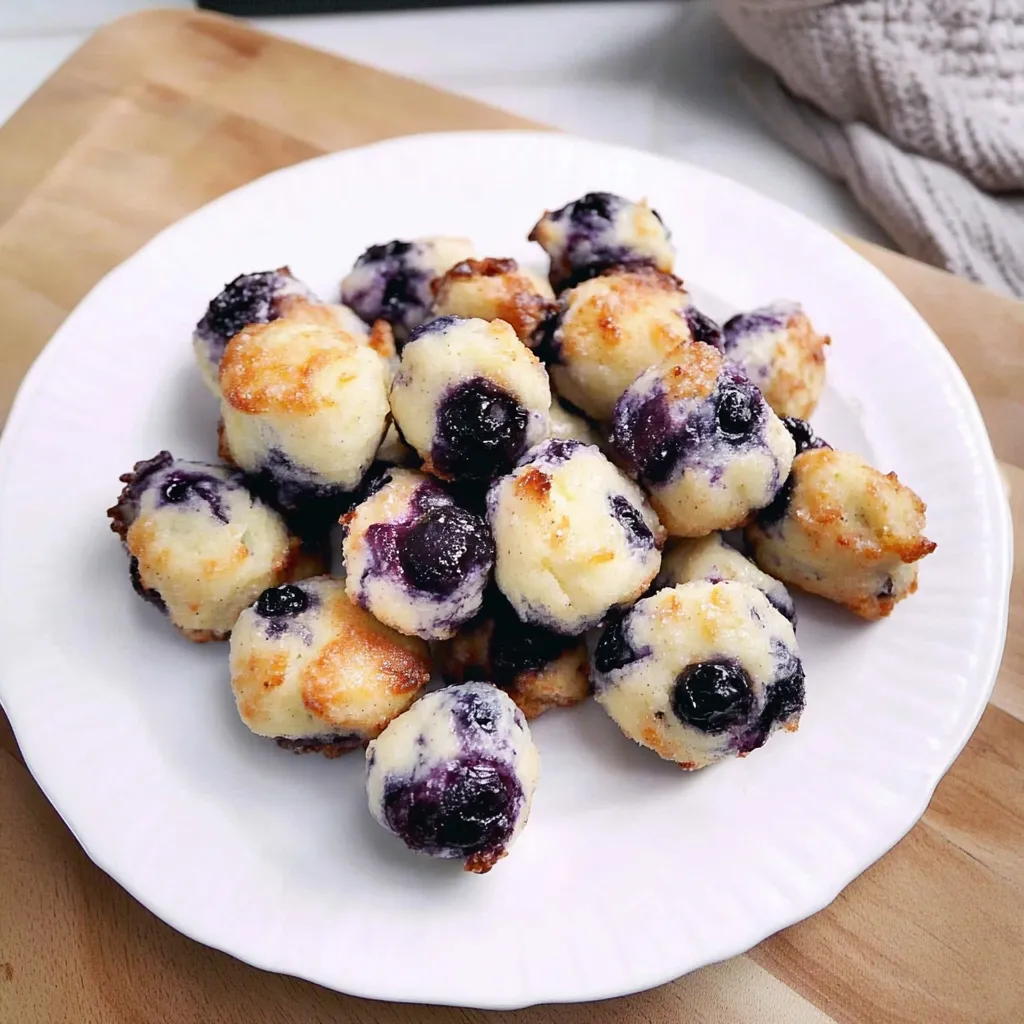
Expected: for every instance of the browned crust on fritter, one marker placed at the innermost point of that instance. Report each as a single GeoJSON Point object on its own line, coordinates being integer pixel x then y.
{"type": "Point", "coordinates": [691, 371]}
{"type": "Point", "coordinates": [257, 377]}
{"type": "Point", "coordinates": [481, 863]}
{"type": "Point", "coordinates": [203, 636]}
{"type": "Point", "coordinates": [649, 276]}
{"type": "Point", "coordinates": [468, 269]}
{"type": "Point", "coordinates": [600, 315]}
{"type": "Point", "coordinates": [796, 394]}
{"type": "Point", "coordinates": [382, 340]}
{"type": "Point", "coordinates": [401, 663]}
{"type": "Point", "coordinates": [329, 748]}
{"type": "Point", "coordinates": [822, 517]}
{"type": "Point", "coordinates": [513, 296]}
{"type": "Point", "coordinates": [563, 683]}
{"type": "Point", "coordinates": [873, 608]}
{"type": "Point", "coordinates": [116, 513]}
{"type": "Point", "coordinates": [533, 485]}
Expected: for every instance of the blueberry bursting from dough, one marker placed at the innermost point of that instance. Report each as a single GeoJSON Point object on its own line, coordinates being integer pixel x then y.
{"type": "Point", "coordinates": [700, 672]}
{"type": "Point", "coordinates": [454, 776]}
{"type": "Point", "coordinates": [393, 281]}
{"type": "Point", "coordinates": [470, 397]}
{"type": "Point", "coordinates": [414, 557]}
{"type": "Point", "coordinates": [598, 231]}
{"type": "Point", "coordinates": [200, 545]}
{"type": "Point", "coordinates": [701, 439]}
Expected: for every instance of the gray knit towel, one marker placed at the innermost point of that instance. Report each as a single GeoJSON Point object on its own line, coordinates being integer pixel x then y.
{"type": "Point", "coordinates": [918, 105]}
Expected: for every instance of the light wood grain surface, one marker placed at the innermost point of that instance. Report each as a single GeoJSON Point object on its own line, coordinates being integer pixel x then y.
{"type": "Point", "coordinates": [164, 111]}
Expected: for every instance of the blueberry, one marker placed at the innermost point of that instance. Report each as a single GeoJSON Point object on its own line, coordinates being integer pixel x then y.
{"type": "Point", "coordinates": [545, 337]}
{"type": "Point", "coordinates": [887, 589]}
{"type": "Point", "coordinates": [461, 808]}
{"type": "Point", "coordinates": [518, 647]}
{"type": "Point", "coordinates": [785, 699]}
{"type": "Point", "coordinates": [754, 322]}
{"type": "Point", "coordinates": [644, 436]}
{"type": "Point", "coordinates": [401, 294]}
{"type": "Point", "coordinates": [473, 711]}
{"type": "Point", "coordinates": [436, 326]}
{"type": "Point", "coordinates": [181, 486]}
{"type": "Point", "coordinates": [596, 206]}
{"type": "Point", "coordinates": [246, 300]}
{"type": "Point", "coordinates": [443, 546]}
{"type": "Point", "coordinates": [286, 600]}
{"type": "Point", "coordinates": [803, 434]}
{"type": "Point", "coordinates": [779, 505]}
{"type": "Point", "coordinates": [557, 449]}
{"type": "Point", "coordinates": [737, 412]}
{"type": "Point", "coordinates": [384, 251]}
{"type": "Point", "coordinates": [614, 650]}
{"type": "Point", "coordinates": [629, 517]}
{"type": "Point", "coordinates": [146, 593]}
{"type": "Point", "coordinates": [481, 431]}
{"type": "Point", "coordinates": [176, 491]}
{"type": "Point", "coordinates": [712, 695]}
{"type": "Point", "coordinates": [703, 328]}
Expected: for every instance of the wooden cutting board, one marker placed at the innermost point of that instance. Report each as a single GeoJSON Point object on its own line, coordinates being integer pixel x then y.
{"type": "Point", "coordinates": [161, 112]}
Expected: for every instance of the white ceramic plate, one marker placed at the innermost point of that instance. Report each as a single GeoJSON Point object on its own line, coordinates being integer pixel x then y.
{"type": "Point", "coordinates": [630, 872]}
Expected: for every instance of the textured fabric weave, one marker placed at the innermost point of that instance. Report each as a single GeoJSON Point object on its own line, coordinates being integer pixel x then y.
{"type": "Point", "coordinates": [918, 105]}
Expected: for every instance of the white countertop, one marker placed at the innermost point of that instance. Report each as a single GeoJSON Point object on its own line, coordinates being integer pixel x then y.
{"type": "Point", "coordinates": [657, 75]}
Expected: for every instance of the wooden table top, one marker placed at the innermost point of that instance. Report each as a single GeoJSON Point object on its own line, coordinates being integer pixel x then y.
{"type": "Point", "coordinates": [163, 111]}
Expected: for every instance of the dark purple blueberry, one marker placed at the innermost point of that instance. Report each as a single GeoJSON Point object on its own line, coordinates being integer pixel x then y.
{"type": "Point", "coordinates": [287, 600]}
{"type": "Point", "coordinates": [784, 606]}
{"type": "Point", "coordinates": [614, 650]}
{"type": "Point", "coordinates": [703, 328]}
{"type": "Point", "coordinates": [476, 712]}
{"type": "Point", "coordinates": [545, 337]}
{"type": "Point", "coordinates": [481, 431]}
{"type": "Point", "coordinates": [402, 294]}
{"type": "Point", "coordinates": [776, 510]}
{"type": "Point", "coordinates": [803, 434]}
{"type": "Point", "coordinates": [146, 593]}
{"type": "Point", "coordinates": [754, 322]}
{"type": "Point", "coordinates": [738, 411]}
{"type": "Point", "coordinates": [310, 507]}
{"type": "Point", "coordinates": [631, 520]}
{"type": "Point", "coordinates": [555, 449]}
{"type": "Point", "coordinates": [785, 699]}
{"type": "Point", "coordinates": [249, 299]}
{"type": "Point", "coordinates": [182, 486]}
{"type": "Point", "coordinates": [713, 695]}
{"type": "Point", "coordinates": [436, 326]}
{"type": "Point", "coordinates": [430, 495]}
{"type": "Point", "coordinates": [599, 206]}
{"type": "Point", "coordinates": [645, 438]}
{"type": "Point", "coordinates": [462, 807]}
{"type": "Point", "coordinates": [443, 547]}
{"type": "Point", "coordinates": [518, 647]}
{"type": "Point", "coordinates": [384, 251]}
{"type": "Point", "coordinates": [888, 588]}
